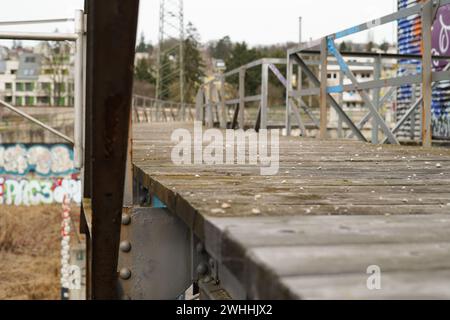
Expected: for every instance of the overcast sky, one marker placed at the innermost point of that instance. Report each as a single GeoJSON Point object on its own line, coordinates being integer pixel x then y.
{"type": "Point", "coordinates": [254, 21]}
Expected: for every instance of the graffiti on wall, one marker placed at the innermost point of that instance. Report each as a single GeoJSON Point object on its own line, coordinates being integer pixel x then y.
{"type": "Point", "coordinates": [441, 95]}
{"type": "Point", "coordinates": [441, 36]}
{"type": "Point", "coordinates": [409, 42]}
{"type": "Point", "coordinates": [30, 192]}
{"type": "Point", "coordinates": [42, 160]}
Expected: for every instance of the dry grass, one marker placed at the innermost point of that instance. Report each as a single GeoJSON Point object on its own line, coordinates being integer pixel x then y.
{"type": "Point", "coordinates": [29, 252]}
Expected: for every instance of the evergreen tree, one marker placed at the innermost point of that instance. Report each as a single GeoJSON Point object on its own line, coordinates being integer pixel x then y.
{"type": "Point", "coordinates": [221, 49]}
{"type": "Point", "coordinates": [239, 56]}
{"type": "Point", "coordinates": [193, 63]}
{"type": "Point", "coordinates": [143, 46]}
{"type": "Point", "coordinates": [143, 72]}
{"type": "Point", "coordinates": [343, 47]}
{"type": "Point", "coordinates": [384, 46]}
{"type": "Point", "coordinates": [370, 46]}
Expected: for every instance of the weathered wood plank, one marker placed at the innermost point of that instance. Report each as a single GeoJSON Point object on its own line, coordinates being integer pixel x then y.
{"type": "Point", "coordinates": [428, 285]}
{"type": "Point", "coordinates": [335, 208]}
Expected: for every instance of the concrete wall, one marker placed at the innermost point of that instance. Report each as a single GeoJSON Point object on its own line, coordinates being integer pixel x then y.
{"type": "Point", "coordinates": [14, 129]}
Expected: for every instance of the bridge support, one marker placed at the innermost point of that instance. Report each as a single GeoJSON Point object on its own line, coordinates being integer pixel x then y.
{"type": "Point", "coordinates": [155, 255]}
{"type": "Point", "coordinates": [112, 26]}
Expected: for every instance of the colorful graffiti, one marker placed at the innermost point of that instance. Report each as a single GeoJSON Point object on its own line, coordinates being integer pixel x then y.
{"type": "Point", "coordinates": [29, 192]}
{"type": "Point", "coordinates": [441, 95]}
{"type": "Point", "coordinates": [409, 42]}
{"type": "Point", "coordinates": [42, 160]}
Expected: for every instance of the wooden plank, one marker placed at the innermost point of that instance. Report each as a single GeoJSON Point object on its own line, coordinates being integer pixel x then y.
{"type": "Point", "coordinates": [342, 230]}
{"type": "Point", "coordinates": [394, 286]}
{"type": "Point", "coordinates": [340, 259]}
{"type": "Point", "coordinates": [334, 207]}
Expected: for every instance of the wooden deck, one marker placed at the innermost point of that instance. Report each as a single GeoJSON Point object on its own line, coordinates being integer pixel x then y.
{"type": "Point", "coordinates": [311, 232]}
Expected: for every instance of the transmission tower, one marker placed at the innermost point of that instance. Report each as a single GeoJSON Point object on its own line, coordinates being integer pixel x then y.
{"type": "Point", "coordinates": [171, 51]}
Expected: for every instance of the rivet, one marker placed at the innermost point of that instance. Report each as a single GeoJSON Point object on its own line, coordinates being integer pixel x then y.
{"type": "Point", "coordinates": [125, 246]}
{"type": "Point", "coordinates": [125, 273]}
{"type": "Point", "coordinates": [199, 247]}
{"type": "Point", "coordinates": [202, 269]}
{"type": "Point", "coordinates": [126, 219]}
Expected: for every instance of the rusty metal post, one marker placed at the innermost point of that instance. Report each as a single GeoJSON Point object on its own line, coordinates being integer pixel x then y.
{"type": "Point", "coordinates": [112, 26]}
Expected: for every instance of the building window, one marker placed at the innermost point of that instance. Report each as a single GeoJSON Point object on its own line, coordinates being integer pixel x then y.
{"type": "Point", "coordinates": [30, 59]}
{"type": "Point", "coordinates": [8, 86]}
{"type": "Point", "coordinates": [329, 76]}
{"type": "Point", "coordinates": [20, 86]}
{"type": "Point", "coordinates": [29, 101]}
{"type": "Point", "coordinates": [43, 100]}
{"type": "Point", "coordinates": [61, 101]}
{"type": "Point", "coordinates": [60, 87]}
{"type": "Point", "coordinates": [29, 86]}
{"type": "Point", "coordinates": [8, 99]}
{"type": "Point", "coordinates": [13, 71]}
{"type": "Point", "coordinates": [46, 86]}
{"type": "Point", "coordinates": [19, 101]}
{"type": "Point", "coordinates": [28, 72]}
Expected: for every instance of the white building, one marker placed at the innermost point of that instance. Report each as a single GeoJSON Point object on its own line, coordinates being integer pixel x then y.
{"type": "Point", "coordinates": [352, 102]}
{"type": "Point", "coordinates": [32, 79]}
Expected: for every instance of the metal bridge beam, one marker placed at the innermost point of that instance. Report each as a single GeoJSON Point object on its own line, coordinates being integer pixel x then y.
{"type": "Point", "coordinates": [112, 26]}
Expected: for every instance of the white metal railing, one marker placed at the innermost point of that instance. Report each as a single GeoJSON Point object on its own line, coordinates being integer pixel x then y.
{"type": "Point", "coordinates": [146, 110]}
{"type": "Point", "coordinates": [79, 38]}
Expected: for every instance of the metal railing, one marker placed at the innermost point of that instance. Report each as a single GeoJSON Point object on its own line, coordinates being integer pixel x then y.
{"type": "Point", "coordinates": [79, 38]}
{"type": "Point", "coordinates": [209, 106]}
{"type": "Point", "coordinates": [146, 110]}
{"type": "Point", "coordinates": [212, 105]}
{"type": "Point", "coordinates": [320, 87]}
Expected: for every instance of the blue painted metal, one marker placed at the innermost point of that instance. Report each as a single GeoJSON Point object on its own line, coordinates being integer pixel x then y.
{"type": "Point", "coordinates": [332, 49]}
{"type": "Point", "coordinates": [346, 33]}
{"type": "Point", "coordinates": [157, 203]}
{"type": "Point", "coordinates": [335, 89]}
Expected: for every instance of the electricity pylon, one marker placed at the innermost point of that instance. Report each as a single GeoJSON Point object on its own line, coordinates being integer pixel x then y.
{"type": "Point", "coordinates": [171, 52]}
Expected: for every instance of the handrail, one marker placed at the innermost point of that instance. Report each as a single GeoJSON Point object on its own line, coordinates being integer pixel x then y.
{"type": "Point", "coordinates": [327, 48]}
{"type": "Point", "coordinates": [156, 110]}
{"type": "Point", "coordinates": [37, 122]}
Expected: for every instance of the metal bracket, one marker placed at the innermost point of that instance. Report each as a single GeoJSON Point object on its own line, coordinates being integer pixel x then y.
{"type": "Point", "coordinates": [155, 255]}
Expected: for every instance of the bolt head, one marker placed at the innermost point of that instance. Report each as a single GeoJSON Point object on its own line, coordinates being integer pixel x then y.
{"type": "Point", "coordinates": [125, 246]}
{"type": "Point", "coordinates": [125, 273]}
{"type": "Point", "coordinates": [126, 219]}
{"type": "Point", "coordinates": [202, 269]}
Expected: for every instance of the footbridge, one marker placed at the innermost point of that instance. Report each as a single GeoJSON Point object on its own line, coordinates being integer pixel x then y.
{"type": "Point", "coordinates": [349, 213]}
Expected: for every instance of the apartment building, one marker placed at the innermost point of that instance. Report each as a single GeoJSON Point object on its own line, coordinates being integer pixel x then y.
{"type": "Point", "coordinates": [32, 78]}
{"type": "Point", "coordinates": [352, 102]}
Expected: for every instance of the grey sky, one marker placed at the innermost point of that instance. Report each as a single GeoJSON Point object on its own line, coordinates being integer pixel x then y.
{"type": "Point", "coordinates": [254, 21]}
